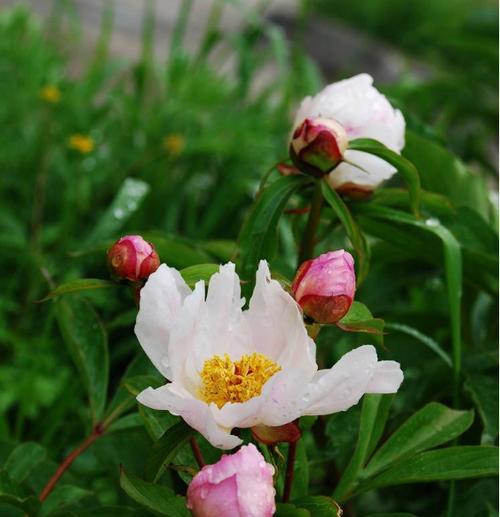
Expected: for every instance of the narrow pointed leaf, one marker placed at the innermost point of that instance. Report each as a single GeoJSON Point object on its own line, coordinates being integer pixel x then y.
{"type": "Point", "coordinates": [374, 413]}
{"type": "Point", "coordinates": [319, 506]}
{"type": "Point", "coordinates": [80, 284]}
{"type": "Point", "coordinates": [258, 236]}
{"type": "Point", "coordinates": [87, 343]}
{"type": "Point", "coordinates": [452, 463]}
{"type": "Point", "coordinates": [156, 498]}
{"type": "Point", "coordinates": [402, 164]}
{"type": "Point", "coordinates": [352, 229]}
{"type": "Point", "coordinates": [193, 274]}
{"type": "Point", "coordinates": [126, 202]}
{"type": "Point", "coordinates": [429, 427]}
{"type": "Point", "coordinates": [164, 450]}
{"type": "Point", "coordinates": [426, 340]}
{"type": "Point", "coordinates": [453, 268]}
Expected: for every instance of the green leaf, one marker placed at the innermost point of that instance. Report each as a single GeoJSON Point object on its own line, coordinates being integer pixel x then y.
{"type": "Point", "coordinates": [156, 422]}
{"type": "Point", "coordinates": [360, 319]}
{"type": "Point", "coordinates": [397, 514]}
{"type": "Point", "coordinates": [300, 487]}
{"type": "Point", "coordinates": [290, 510]}
{"type": "Point", "coordinates": [384, 403]}
{"type": "Point", "coordinates": [12, 495]}
{"type": "Point", "coordinates": [429, 427]}
{"type": "Point", "coordinates": [442, 172]}
{"type": "Point", "coordinates": [453, 268]}
{"type": "Point", "coordinates": [436, 204]}
{"type": "Point", "coordinates": [126, 202]}
{"type": "Point", "coordinates": [80, 284]}
{"type": "Point", "coordinates": [223, 250]}
{"type": "Point", "coordinates": [426, 340]}
{"type": "Point", "coordinates": [463, 462]}
{"type": "Point", "coordinates": [101, 511]}
{"type": "Point", "coordinates": [319, 506]}
{"type": "Point", "coordinates": [257, 239]}
{"type": "Point", "coordinates": [193, 274]}
{"type": "Point", "coordinates": [87, 343]}
{"type": "Point", "coordinates": [176, 251]}
{"type": "Point", "coordinates": [352, 229]}
{"type": "Point", "coordinates": [483, 391]}
{"type": "Point", "coordinates": [164, 450]}
{"type": "Point", "coordinates": [374, 414]}
{"type": "Point", "coordinates": [140, 374]}
{"type": "Point", "coordinates": [23, 459]}
{"type": "Point", "coordinates": [61, 497]}
{"type": "Point", "coordinates": [134, 385]}
{"type": "Point", "coordinates": [156, 498]}
{"type": "Point", "coordinates": [404, 166]}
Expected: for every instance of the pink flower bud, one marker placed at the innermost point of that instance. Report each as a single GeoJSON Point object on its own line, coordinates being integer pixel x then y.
{"type": "Point", "coordinates": [324, 287]}
{"type": "Point", "coordinates": [132, 258]}
{"type": "Point", "coordinates": [238, 485]}
{"type": "Point", "coordinates": [318, 145]}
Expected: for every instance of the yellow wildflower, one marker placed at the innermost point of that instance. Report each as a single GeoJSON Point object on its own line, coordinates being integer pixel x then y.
{"type": "Point", "coordinates": [50, 93]}
{"type": "Point", "coordinates": [174, 144]}
{"type": "Point", "coordinates": [81, 143]}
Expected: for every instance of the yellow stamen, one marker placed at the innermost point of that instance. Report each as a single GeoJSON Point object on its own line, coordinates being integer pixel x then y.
{"type": "Point", "coordinates": [50, 94]}
{"type": "Point", "coordinates": [227, 381]}
{"type": "Point", "coordinates": [81, 143]}
{"type": "Point", "coordinates": [174, 144]}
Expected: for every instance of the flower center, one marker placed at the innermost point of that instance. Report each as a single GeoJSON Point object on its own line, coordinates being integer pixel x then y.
{"type": "Point", "coordinates": [238, 381]}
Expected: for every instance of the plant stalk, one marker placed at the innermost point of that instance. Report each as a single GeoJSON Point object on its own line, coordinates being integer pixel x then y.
{"type": "Point", "coordinates": [309, 238]}
{"type": "Point", "coordinates": [197, 452]}
{"type": "Point", "coordinates": [290, 470]}
{"type": "Point", "coordinates": [98, 431]}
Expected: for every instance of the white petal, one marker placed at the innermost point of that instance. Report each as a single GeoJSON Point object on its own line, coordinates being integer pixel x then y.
{"type": "Point", "coordinates": [277, 328]}
{"type": "Point", "coordinates": [284, 397]}
{"type": "Point", "coordinates": [386, 379]}
{"type": "Point", "coordinates": [373, 171]}
{"type": "Point", "coordinates": [279, 403]}
{"type": "Point", "coordinates": [245, 414]}
{"type": "Point", "coordinates": [223, 297]}
{"type": "Point", "coordinates": [196, 413]}
{"type": "Point", "coordinates": [344, 384]}
{"type": "Point", "coordinates": [160, 306]}
{"type": "Point", "coordinates": [187, 339]}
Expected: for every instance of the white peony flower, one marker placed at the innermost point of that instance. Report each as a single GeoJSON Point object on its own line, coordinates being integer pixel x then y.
{"type": "Point", "coordinates": [230, 367]}
{"type": "Point", "coordinates": [365, 113]}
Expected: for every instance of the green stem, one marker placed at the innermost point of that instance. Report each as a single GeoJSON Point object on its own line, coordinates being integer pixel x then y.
{"type": "Point", "coordinates": [309, 238]}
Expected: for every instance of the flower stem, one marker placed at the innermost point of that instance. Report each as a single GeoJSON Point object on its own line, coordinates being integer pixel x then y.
{"type": "Point", "coordinates": [197, 452]}
{"type": "Point", "coordinates": [290, 470]}
{"type": "Point", "coordinates": [309, 238]}
{"type": "Point", "coordinates": [98, 431]}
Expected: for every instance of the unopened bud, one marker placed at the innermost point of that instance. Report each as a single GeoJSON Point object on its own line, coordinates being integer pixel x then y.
{"type": "Point", "coordinates": [318, 146]}
{"type": "Point", "coordinates": [132, 258]}
{"type": "Point", "coordinates": [324, 287]}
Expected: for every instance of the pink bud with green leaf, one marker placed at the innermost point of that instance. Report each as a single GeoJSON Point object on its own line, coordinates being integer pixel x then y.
{"type": "Point", "coordinates": [324, 287]}
{"type": "Point", "coordinates": [132, 258]}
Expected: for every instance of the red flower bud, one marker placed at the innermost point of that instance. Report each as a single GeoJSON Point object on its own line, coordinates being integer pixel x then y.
{"type": "Point", "coordinates": [318, 145]}
{"type": "Point", "coordinates": [324, 287]}
{"type": "Point", "coordinates": [132, 258]}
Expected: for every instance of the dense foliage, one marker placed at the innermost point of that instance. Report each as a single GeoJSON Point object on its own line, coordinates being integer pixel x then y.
{"type": "Point", "coordinates": [178, 154]}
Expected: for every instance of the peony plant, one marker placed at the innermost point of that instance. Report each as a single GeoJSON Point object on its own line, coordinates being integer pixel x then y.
{"type": "Point", "coordinates": [257, 346]}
